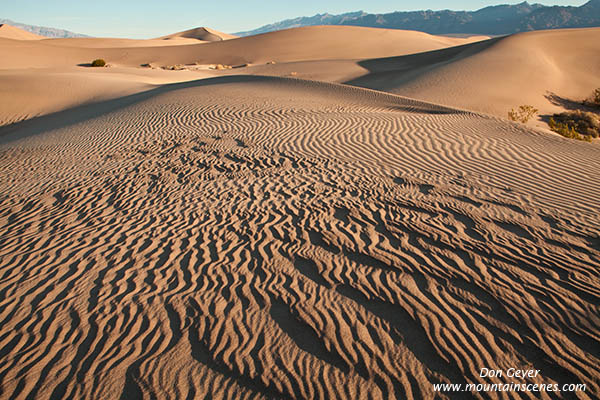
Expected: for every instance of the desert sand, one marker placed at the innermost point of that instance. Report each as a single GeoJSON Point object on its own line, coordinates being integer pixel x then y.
{"type": "Point", "coordinates": [276, 231]}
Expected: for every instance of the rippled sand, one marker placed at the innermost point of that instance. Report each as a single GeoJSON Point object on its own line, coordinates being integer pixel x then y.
{"type": "Point", "coordinates": [253, 237]}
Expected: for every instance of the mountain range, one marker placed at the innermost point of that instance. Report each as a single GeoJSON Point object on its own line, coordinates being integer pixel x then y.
{"type": "Point", "coordinates": [42, 30]}
{"type": "Point", "coordinates": [493, 20]}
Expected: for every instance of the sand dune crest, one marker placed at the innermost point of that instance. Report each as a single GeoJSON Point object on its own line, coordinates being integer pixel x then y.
{"type": "Point", "coordinates": [202, 33]}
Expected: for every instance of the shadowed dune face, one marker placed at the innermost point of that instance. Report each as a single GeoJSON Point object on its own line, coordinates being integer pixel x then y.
{"type": "Point", "coordinates": [253, 237]}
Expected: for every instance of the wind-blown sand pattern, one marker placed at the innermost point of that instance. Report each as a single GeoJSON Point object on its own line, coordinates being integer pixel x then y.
{"type": "Point", "coordinates": [255, 237]}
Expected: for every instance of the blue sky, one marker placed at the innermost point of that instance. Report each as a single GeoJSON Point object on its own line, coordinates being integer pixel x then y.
{"type": "Point", "coordinates": [151, 18]}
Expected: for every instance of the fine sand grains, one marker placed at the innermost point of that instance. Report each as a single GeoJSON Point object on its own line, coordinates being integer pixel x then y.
{"type": "Point", "coordinates": [251, 237]}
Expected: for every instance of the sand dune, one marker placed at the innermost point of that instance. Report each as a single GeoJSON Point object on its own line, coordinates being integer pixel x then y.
{"type": "Point", "coordinates": [545, 69]}
{"type": "Point", "coordinates": [308, 43]}
{"type": "Point", "coordinates": [55, 61]}
{"type": "Point", "coordinates": [202, 33]}
{"type": "Point", "coordinates": [542, 68]}
{"type": "Point", "coordinates": [254, 237]}
{"type": "Point", "coordinates": [11, 32]}
{"type": "Point", "coordinates": [26, 94]}
{"type": "Point", "coordinates": [116, 43]}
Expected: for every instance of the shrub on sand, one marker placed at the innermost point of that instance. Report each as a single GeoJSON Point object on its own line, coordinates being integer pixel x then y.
{"type": "Point", "coordinates": [98, 63]}
{"type": "Point", "coordinates": [523, 114]}
{"type": "Point", "coordinates": [578, 125]}
{"type": "Point", "coordinates": [593, 100]}
{"type": "Point", "coordinates": [596, 97]}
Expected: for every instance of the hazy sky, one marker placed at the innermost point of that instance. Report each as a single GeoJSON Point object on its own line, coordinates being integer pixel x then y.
{"type": "Point", "coordinates": [151, 18]}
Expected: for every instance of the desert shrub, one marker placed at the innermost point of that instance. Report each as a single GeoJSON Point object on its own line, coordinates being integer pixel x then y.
{"type": "Point", "coordinates": [593, 100]}
{"type": "Point", "coordinates": [566, 130]}
{"type": "Point", "coordinates": [596, 97]}
{"type": "Point", "coordinates": [586, 123]}
{"type": "Point", "coordinates": [98, 63]}
{"type": "Point", "coordinates": [576, 125]}
{"type": "Point", "coordinates": [523, 114]}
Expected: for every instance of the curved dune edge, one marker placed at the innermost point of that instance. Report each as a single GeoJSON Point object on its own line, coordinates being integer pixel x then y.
{"type": "Point", "coordinates": [253, 237]}
{"type": "Point", "coordinates": [14, 33]}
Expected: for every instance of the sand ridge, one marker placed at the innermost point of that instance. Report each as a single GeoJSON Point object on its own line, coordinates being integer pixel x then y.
{"type": "Point", "coordinates": [224, 238]}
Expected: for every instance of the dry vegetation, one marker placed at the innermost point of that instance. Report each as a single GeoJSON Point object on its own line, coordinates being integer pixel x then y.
{"type": "Point", "coordinates": [98, 63]}
{"type": "Point", "coordinates": [594, 99]}
{"type": "Point", "coordinates": [578, 125]}
{"type": "Point", "coordinates": [523, 114]}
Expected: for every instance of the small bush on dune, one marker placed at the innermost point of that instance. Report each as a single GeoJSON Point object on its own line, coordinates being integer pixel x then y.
{"type": "Point", "coordinates": [566, 130]}
{"type": "Point", "coordinates": [523, 114]}
{"type": "Point", "coordinates": [576, 125]}
{"type": "Point", "coordinates": [596, 97]}
{"type": "Point", "coordinates": [98, 63]}
{"type": "Point", "coordinates": [593, 100]}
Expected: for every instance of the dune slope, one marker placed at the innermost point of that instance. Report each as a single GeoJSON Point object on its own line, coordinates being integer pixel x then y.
{"type": "Point", "coordinates": [40, 77]}
{"type": "Point", "coordinates": [26, 94]}
{"type": "Point", "coordinates": [11, 32]}
{"type": "Point", "coordinates": [249, 237]}
{"type": "Point", "coordinates": [308, 43]}
{"type": "Point", "coordinates": [202, 33]}
{"type": "Point", "coordinates": [545, 69]}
